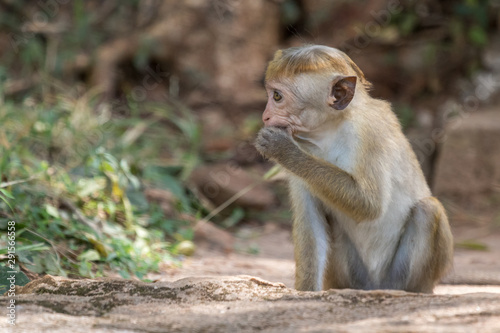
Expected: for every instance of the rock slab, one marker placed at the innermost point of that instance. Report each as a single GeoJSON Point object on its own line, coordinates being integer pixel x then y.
{"type": "Point", "coordinates": [239, 304]}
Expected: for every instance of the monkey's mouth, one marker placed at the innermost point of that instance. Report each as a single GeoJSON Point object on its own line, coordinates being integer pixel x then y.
{"type": "Point", "coordinates": [287, 129]}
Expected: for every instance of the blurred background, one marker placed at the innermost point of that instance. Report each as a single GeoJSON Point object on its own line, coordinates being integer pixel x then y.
{"type": "Point", "coordinates": [126, 127]}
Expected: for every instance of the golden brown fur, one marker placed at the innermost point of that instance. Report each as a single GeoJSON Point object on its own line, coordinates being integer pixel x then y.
{"type": "Point", "coordinates": [298, 60]}
{"type": "Point", "coordinates": [364, 216]}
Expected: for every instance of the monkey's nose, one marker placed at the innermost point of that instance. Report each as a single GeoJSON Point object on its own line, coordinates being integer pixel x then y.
{"type": "Point", "coordinates": [266, 115]}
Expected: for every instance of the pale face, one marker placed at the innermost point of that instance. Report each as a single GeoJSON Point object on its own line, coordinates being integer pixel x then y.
{"type": "Point", "coordinates": [299, 104]}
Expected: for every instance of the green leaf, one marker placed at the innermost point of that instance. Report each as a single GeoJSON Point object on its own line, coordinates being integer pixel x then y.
{"type": "Point", "coordinates": [236, 215]}
{"type": "Point", "coordinates": [52, 265]}
{"type": "Point", "coordinates": [478, 35]}
{"type": "Point", "coordinates": [161, 176]}
{"type": "Point", "coordinates": [472, 245]}
{"type": "Point", "coordinates": [138, 199]}
{"type": "Point", "coordinates": [124, 274]}
{"type": "Point", "coordinates": [28, 248]}
{"type": "Point", "coordinates": [408, 24]}
{"type": "Point", "coordinates": [52, 211]}
{"type": "Point", "coordinates": [89, 255]}
{"type": "Point", "coordinates": [87, 186]}
{"type": "Point", "coordinates": [7, 193]}
{"type": "Point", "coordinates": [19, 279]}
{"type": "Point", "coordinates": [85, 268]}
{"type": "Point", "coordinates": [107, 167]}
{"type": "Point", "coordinates": [184, 234]}
{"type": "Point", "coordinates": [6, 201]}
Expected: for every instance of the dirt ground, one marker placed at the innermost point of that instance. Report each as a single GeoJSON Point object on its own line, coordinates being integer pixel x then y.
{"type": "Point", "coordinates": [209, 294]}
{"type": "Point", "coordinates": [241, 304]}
{"type": "Point", "coordinates": [274, 260]}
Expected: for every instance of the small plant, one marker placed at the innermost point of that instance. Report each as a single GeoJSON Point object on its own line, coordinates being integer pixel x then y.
{"type": "Point", "coordinates": [74, 184]}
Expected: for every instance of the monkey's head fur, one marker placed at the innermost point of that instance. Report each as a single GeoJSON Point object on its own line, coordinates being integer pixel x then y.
{"type": "Point", "coordinates": [312, 59]}
{"type": "Point", "coordinates": [310, 85]}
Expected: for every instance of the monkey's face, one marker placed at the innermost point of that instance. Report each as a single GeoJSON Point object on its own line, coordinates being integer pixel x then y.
{"type": "Point", "coordinates": [305, 103]}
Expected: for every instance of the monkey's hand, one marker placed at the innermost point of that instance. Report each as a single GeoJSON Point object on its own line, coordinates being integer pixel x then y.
{"type": "Point", "coordinates": [276, 144]}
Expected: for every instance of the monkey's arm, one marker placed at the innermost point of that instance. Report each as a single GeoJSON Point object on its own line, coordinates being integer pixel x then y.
{"type": "Point", "coordinates": [357, 197]}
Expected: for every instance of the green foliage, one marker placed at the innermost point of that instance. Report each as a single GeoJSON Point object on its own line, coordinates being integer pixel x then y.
{"type": "Point", "coordinates": [408, 23]}
{"type": "Point", "coordinates": [470, 18]}
{"type": "Point", "coordinates": [7, 276]}
{"type": "Point", "coordinates": [290, 12]}
{"type": "Point", "coordinates": [50, 35]}
{"type": "Point", "coordinates": [472, 245]}
{"type": "Point", "coordinates": [478, 35]}
{"type": "Point", "coordinates": [236, 216]}
{"type": "Point", "coordinates": [74, 183]}
{"type": "Point", "coordinates": [405, 114]}
{"type": "Point", "coordinates": [474, 14]}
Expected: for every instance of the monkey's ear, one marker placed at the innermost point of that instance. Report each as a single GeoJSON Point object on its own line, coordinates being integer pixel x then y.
{"type": "Point", "coordinates": [342, 92]}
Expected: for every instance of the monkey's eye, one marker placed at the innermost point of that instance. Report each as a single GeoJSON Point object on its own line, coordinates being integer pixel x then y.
{"type": "Point", "coordinates": [277, 96]}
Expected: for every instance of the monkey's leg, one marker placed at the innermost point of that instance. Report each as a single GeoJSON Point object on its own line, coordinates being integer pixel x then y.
{"type": "Point", "coordinates": [345, 268]}
{"type": "Point", "coordinates": [310, 237]}
{"type": "Point", "coordinates": [425, 249]}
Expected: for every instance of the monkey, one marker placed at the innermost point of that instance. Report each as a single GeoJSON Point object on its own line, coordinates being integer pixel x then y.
{"type": "Point", "coordinates": [363, 214]}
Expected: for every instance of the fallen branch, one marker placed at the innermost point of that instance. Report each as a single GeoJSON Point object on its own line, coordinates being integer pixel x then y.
{"type": "Point", "coordinates": [15, 182]}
